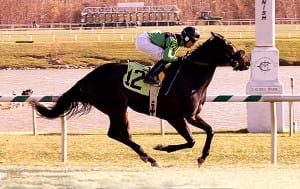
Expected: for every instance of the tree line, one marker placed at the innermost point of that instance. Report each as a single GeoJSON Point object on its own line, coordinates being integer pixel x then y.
{"type": "Point", "coordinates": [69, 11]}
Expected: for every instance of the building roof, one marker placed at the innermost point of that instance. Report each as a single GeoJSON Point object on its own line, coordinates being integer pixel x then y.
{"type": "Point", "coordinates": [127, 10]}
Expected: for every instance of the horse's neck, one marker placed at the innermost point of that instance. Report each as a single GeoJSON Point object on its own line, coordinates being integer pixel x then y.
{"type": "Point", "coordinates": [200, 76]}
{"type": "Point", "coordinates": [202, 64]}
{"type": "Point", "coordinates": [206, 75]}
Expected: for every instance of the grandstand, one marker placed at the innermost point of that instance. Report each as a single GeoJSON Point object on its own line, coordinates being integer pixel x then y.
{"type": "Point", "coordinates": [130, 14]}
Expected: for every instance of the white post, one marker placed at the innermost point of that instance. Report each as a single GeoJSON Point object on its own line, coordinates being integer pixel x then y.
{"type": "Point", "coordinates": [291, 110]}
{"type": "Point", "coordinates": [64, 138]}
{"type": "Point", "coordinates": [264, 70]}
{"type": "Point", "coordinates": [34, 123]}
{"type": "Point", "coordinates": [273, 133]}
{"type": "Point", "coordinates": [162, 127]}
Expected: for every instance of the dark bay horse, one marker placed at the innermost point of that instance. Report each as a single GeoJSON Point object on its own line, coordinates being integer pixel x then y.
{"type": "Point", "coordinates": [103, 88]}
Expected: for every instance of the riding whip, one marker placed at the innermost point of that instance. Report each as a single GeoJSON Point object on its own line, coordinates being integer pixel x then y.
{"type": "Point", "coordinates": [175, 76]}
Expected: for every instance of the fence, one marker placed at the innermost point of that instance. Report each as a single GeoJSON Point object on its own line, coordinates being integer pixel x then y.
{"type": "Point", "coordinates": [76, 26]}
{"type": "Point", "coordinates": [130, 34]}
{"type": "Point", "coordinates": [272, 99]}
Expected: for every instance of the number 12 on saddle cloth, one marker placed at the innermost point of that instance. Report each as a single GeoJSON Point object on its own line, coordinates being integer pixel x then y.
{"type": "Point", "coordinates": [133, 80]}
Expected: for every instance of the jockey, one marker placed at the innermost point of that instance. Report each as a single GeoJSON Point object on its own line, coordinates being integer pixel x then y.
{"type": "Point", "coordinates": [162, 46]}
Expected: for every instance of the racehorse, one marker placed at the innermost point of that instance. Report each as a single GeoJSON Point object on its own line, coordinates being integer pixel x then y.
{"type": "Point", "coordinates": [103, 88]}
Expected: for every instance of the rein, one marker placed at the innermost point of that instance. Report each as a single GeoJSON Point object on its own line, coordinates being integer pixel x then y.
{"type": "Point", "coordinates": [199, 63]}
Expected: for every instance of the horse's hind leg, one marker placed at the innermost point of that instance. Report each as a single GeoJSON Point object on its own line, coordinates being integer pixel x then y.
{"type": "Point", "coordinates": [119, 130]}
{"type": "Point", "coordinates": [197, 121]}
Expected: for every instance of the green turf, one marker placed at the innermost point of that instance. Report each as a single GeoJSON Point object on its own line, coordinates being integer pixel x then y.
{"type": "Point", "coordinates": [53, 48]}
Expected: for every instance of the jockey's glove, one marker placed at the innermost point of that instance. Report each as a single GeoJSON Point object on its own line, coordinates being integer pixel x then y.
{"type": "Point", "coordinates": [183, 58]}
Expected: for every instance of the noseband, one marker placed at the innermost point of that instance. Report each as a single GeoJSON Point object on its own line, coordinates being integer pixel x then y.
{"type": "Point", "coordinates": [240, 61]}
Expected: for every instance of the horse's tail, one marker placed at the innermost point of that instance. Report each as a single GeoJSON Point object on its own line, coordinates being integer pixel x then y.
{"type": "Point", "coordinates": [70, 103]}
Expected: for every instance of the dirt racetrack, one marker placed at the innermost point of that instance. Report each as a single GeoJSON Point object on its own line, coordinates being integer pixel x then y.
{"type": "Point", "coordinates": [16, 176]}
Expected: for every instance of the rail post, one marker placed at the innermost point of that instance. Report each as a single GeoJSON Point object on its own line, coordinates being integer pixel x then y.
{"type": "Point", "coordinates": [291, 109]}
{"type": "Point", "coordinates": [64, 136]}
{"type": "Point", "coordinates": [273, 133]}
{"type": "Point", "coordinates": [34, 123]}
{"type": "Point", "coordinates": [162, 127]}
{"type": "Point", "coordinates": [292, 126]}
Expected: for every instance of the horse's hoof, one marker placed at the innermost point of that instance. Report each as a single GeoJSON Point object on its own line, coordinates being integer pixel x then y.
{"type": "Point", "coordinates": [144, 158]}
{"type": "Point", "coordinates": [158, 147]}
{"type": "Point", "coordinates": [155, 164]}
{"type": "Point", "coordinates": [200, 161]}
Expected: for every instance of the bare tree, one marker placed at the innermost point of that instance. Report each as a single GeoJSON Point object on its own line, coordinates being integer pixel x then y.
{"type": "Point", "coordinates": [26, 11]}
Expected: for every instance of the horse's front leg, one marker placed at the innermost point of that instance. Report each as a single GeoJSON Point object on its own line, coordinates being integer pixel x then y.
{"type": "Point", "coordinates": [197, 121]}
{"type": "Point", "coordinates": [181, 127]}
{"type": "Point", "coordinates": [119, 130]}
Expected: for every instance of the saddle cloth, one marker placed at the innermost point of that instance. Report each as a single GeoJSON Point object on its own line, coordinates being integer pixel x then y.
{"type": "Point", "coordinates": [134, 79]}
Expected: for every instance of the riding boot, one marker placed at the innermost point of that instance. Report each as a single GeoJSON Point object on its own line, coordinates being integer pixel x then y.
{"type": "Point", "coordinates": [152, 75]}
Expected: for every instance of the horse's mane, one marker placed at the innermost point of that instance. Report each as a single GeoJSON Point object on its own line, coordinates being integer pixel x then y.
{"type": "Point", "coordinates": [208, 49]}
{"type": "Point", "coordinates": [200, 50]}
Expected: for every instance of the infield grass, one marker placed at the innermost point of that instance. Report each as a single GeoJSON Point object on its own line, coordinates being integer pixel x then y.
{"type": "Point", "coordinates": [53, 48]}
{"type": "Point", "coordinates": [94, 148]}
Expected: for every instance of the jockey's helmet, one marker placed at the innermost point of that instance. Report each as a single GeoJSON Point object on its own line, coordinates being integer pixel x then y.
{"type": "Point", "coordinates": [190, 34]}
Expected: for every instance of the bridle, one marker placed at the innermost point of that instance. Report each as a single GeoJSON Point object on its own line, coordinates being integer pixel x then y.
{"type": "Point", "coordinates": [238, 60]}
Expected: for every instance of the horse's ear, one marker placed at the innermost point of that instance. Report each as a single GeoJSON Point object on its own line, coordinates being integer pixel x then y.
{"type": "Point", "coordinates": [213, 34]}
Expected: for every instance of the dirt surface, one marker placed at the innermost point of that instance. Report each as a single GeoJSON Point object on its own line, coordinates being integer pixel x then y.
{"type": "Point", "coordinates": [16, 176]}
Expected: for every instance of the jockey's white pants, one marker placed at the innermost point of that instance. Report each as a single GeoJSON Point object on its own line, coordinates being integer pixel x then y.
{"type": "Point", "coordinates": [143, 43]}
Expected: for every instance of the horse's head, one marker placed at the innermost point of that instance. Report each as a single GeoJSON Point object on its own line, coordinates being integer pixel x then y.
{"type": "Point", "coordinates": [220, 51]}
